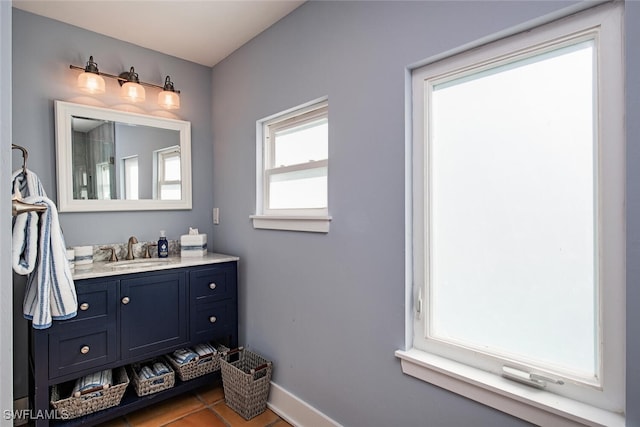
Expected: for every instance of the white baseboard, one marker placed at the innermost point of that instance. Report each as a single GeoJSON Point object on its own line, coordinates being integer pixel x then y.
{"type": "Point", "coordinates": [296, 411]}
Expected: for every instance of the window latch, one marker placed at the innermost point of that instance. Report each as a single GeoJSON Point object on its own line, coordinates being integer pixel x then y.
{"type": "Point", "coordinates": [528, 378]}
{"type": "Point", "coordinates": [419, 303]}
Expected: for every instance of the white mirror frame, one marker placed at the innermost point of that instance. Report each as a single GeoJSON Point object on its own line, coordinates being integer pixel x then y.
{"type": "Point", "coordinates": [66, 203]}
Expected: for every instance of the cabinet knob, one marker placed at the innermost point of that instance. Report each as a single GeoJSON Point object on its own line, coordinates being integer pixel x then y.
{"type": "Point", "coordinates": [84, 349]}
{"type": "Point", "coordinates": [84, 306]}
{"type": "Point", "coordinates": [212, 319]}
{"type": "Point", "coordinates": [125, 300]}
{"type": "Point", "coordinates": [212, 286]}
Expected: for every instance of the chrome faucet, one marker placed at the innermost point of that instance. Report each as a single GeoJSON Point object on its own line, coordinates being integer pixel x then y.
{"type": "Point", "coordinates": [132, 241]}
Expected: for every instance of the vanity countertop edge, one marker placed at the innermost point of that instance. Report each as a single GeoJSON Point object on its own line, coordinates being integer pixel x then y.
{"type": "Point", "coordinates": [106, 268]}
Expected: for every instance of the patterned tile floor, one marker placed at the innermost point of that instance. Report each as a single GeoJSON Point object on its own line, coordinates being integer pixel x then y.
{"type": "Point", "coordinates": [203, 408]}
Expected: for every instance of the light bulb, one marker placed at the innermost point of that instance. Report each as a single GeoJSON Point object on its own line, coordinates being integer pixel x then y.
{"type": "Point", "coordinates": [133, 92]}
{"type": "Point", "coordinates": [169, 100]}
{"type": "Point", "coordinates": [91, 83]}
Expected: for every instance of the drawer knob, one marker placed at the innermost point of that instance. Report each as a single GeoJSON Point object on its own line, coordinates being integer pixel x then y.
{"type": "Point", "coordinates": [213, 319]}
{"type": "Point", "coordinates": [84, 349]}
{"type": "Point", "coordinates": [125, 300]}
{"type": "Point", "coordinates": [84, 306]}
{"type": "Point", "coordinates": [212, 286]}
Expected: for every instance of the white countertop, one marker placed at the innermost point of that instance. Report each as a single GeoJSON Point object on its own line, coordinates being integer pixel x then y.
{"type": "Point", "coordinates": [105, 268]}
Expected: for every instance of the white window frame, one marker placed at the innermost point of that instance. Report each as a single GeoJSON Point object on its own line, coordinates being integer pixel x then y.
{"type": "Point", "coordinates": [604, 403]}
{"type": "Point", "coordinates": [311, 220]}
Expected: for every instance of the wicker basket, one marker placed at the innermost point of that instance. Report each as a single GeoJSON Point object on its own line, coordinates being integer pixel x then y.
{"type": "Point", "coordinates": [246, 382]}
{"type": "Point", "coordinates": [202, 366]}
{"type": "Point", "coordinates": [73, 407]}
{"type": "Point", "coordinates": [144, 386]}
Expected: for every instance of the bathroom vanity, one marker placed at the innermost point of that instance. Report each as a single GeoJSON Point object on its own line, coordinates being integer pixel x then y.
{"type": "Point", "coordinates": [131, 312]}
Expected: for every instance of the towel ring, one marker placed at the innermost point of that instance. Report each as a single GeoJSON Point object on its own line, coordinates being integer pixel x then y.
{"type": "Point", "coordinates": [17, 206]}
{"type": "Point", "coordinates": [25, 156]}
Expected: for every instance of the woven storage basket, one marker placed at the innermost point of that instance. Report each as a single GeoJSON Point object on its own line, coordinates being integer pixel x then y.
{"type": "Point", "coordinates": [73, 407]}
{"type": "Point", "coordinates": [202, 366]}
{"type": "Point", "coordinates": [246, 382]}
{"type": "Point", "coordinates": [144, 386]}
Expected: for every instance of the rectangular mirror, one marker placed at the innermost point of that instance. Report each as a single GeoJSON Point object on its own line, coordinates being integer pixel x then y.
{"type": "Point", "coordinates": [111, 160]}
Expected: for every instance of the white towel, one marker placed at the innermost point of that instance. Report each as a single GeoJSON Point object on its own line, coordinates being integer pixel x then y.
{"type": "Point", "coordinates": [24, 249]}
{"type": "Point", "coordinates": [40, 252]}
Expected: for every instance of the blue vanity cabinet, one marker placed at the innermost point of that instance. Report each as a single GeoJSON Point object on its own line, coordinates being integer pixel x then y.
{"type": "Point", "coordinates": [126, 318]}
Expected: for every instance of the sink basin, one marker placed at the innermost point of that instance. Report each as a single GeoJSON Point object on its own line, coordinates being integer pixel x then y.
{"type": "Point", "coordinates": [140, 263]}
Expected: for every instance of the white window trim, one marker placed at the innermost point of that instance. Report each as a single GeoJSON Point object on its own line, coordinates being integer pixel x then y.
{"type": "Point", "coordinates": [530, 404]}
{"type": "Point", "coordinates": [309, 220]}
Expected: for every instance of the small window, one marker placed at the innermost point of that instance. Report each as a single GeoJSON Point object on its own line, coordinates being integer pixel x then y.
{"type": "Point", "coordinates": [293, 170]}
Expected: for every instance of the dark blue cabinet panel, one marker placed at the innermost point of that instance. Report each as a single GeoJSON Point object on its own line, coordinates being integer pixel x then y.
{"type": "Point", "coordinates": [214, 307]}
{"type": "Point", "coordinates": [153, 314]}
{"type": "Point", "coordinates": [88, 340]}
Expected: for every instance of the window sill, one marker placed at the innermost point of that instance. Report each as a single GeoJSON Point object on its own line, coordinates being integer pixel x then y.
{"type": "Point", "coordinates": [314, 224]}
{"type": "Point", "coordinates": [521, 401]}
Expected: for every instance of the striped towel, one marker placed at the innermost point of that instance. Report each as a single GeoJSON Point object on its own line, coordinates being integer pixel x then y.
{"type": "Point", "coordinates": [184, 355]}
{"type": "Point", "coordinates": [160, 368]}
{"type": "Point", "coordinates": [146, 372]}
{"type": "Point", "coordinates": [204, 349]}
{"type": "Point", "coordinates": [93, 382]}
{"type": "Point", "coordinates": [39, 251]}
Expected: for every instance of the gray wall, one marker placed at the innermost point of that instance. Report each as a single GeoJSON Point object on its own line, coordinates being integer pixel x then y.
{"type": "Point", "coordinates": [329, 309]}
{"type": "Point", "coordinates": [42, 52]}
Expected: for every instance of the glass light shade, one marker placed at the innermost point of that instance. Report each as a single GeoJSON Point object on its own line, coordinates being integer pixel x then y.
{"type": "Point", "coordinates": [91, 83]}
{"type": "Point", "coordinates": [133, 92]}
{"type": "Point", "coordinates": [169, 99]}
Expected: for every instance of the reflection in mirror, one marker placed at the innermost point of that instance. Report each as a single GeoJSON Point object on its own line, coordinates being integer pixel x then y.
{"type": "Point", "coordinates": [114, 160]}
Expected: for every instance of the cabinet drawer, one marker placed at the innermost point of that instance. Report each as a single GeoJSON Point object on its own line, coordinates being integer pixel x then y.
{"type": "Point", "coordinates": [211, 320]}
{"type": "Point", "coordinates": [213, 283]}
{"type": "Point", "coordinates": [80, 349]}
{"type": "Point", "coordinates": [96, 300]}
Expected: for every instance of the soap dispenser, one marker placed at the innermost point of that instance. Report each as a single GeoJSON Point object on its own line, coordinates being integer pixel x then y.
{"type": "Point", "coordinates": [163, 245]}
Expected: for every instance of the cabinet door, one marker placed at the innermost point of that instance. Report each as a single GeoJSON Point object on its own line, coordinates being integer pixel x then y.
{"type": "Point", "coordinates": [153, 314]}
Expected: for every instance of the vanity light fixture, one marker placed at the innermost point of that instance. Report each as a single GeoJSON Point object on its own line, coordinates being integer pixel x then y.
{"type": "Point", "coordinates": [131, 87]}
{"type": "Point", "coordinates": [91, 81]}
{"type": "Point", "coordinates": [168, 98]}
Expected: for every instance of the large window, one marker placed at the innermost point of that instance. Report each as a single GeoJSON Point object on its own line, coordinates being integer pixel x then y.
{"type": "Point", "coordinates": [293, 169]}
{"type": "Point", "coordinates": [518, 239]}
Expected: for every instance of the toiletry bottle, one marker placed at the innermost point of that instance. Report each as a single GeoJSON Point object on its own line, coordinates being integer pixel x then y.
{"type": "Point", "coordinates": [163, 246]}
